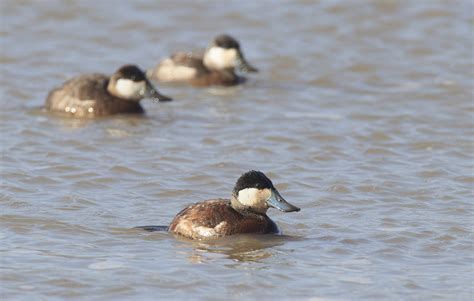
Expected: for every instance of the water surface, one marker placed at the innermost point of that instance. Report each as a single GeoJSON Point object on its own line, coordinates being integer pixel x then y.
{"type": "Point", "coordinates": [362, 115]}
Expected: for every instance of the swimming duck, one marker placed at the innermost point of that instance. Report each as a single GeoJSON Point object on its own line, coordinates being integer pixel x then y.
{"type": "Point", "coordinates": [245, 212]}
{"type": "Point", "coordinates": [93, 95]}
{"type": "Point", "coordinates": [215, 67]}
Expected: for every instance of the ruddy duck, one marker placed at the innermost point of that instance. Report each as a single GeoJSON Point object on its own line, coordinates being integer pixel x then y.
{"type": "Point", "coordinates": [93, 95]}
{"type": "Point", "coordinates": [215, 67]}
{"type": "Point", "coordinates": [245, 212]}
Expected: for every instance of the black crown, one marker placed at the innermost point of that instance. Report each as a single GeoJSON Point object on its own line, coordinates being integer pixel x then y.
{"type": "Point", "coordinates": [226, 41]}
{"type": "Point", "coordinates": [131, 72]}
{"type": "Point", "coordinates": [252, 179]}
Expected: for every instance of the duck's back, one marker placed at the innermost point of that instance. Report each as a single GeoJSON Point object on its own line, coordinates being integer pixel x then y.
{"type": "Point", "coordinates": [216, 218]}
{"type": "Point", "coordinates": [179, 67]}
{"type": "Point", "coordinates": [87, 96]}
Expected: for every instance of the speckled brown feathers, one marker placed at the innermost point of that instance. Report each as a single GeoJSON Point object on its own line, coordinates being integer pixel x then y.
{"type": "Point", "coordinates": [87, 96]}
{"type": "Point", "coordinates": [217, 218]}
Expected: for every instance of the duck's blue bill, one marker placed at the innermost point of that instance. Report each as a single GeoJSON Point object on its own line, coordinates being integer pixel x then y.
{"type": "Point", "coordinates": [243, 65]}
{"type": "Point", "coordinates": [278, 202]}
{"type": "Point", "coordinates": [151, 92]}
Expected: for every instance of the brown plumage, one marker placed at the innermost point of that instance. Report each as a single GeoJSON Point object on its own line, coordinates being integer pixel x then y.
{"type": "Point", "coordinates": [189, 59]}
{"type": "Point", "coordinates": [87, 96]}
{"type": "Point", "coordinates": [94, 95]}
{"type": "Point", "coordinates": [204, 76]}
{"type": "Point", "coordinates": [225, 77]}
{"type": "Point", "coordinates": [217, 218]}
{"type": "Point", "coordinates": [215, 67]}
{"type": "Point", "coordinates": [246, 212]}
{"type": "Point", "coordinates": [189, 67]}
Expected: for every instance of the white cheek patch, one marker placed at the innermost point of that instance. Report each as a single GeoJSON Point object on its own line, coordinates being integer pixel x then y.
{"type": "Point", "coordinates": [231, 57]}
{"type": "Point", "coordinates": [220, 58]}
{"type": "Point", "coordinates": [127, 88]}
{"type": "Point", "coordinates": [255, 198]}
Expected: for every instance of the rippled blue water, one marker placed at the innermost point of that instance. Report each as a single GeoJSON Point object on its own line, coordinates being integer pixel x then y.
{"type": "Point", "coordinates": [362, 115]}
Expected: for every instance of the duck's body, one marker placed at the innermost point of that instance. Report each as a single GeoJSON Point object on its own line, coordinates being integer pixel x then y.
{"type": "Point", "coordinates": [245, 212]}
{"type": "Point", "coordinates": [186, 67]}
{"type": "Point", "coordinates": [217, 218]}
{"type": "Point", "coordinates": [87, 96]}
{"type": "Point", "coordinates": [215, 67]}
{"type": "Point", "coordinates": [94, 95]}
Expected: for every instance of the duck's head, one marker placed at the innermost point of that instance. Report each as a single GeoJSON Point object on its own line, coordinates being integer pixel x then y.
{"type": "Point", "coordinates": [254, 191]}
{"type": "Point", "coordinates": [130, 83]}
{"type": "Point", "coordinates": [225, 53]}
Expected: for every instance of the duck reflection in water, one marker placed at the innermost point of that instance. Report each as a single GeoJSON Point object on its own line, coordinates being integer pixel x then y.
{"type": "Point", "coordinates": [242, 248]}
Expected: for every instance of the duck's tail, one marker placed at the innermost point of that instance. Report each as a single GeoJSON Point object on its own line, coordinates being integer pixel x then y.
{"type": "Point", "coordinates": [153, 228]}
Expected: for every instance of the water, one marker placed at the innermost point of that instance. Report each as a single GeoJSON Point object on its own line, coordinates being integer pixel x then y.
{"type": "Point", "coordinates": [362, 115]}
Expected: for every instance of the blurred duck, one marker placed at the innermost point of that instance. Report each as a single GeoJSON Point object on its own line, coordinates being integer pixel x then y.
{"type": "Point", "coordinates": [216, 67]}
{"type": "Point", "coordinates": [245, 212]}
{"type": "Point", "coordinates": [93, 95]}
